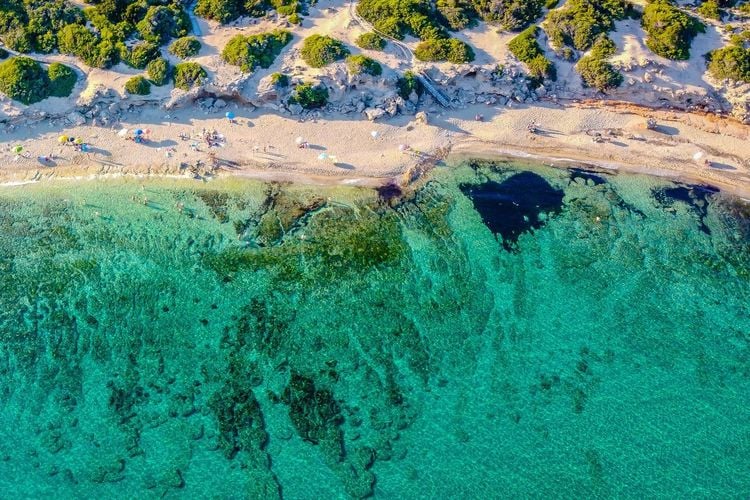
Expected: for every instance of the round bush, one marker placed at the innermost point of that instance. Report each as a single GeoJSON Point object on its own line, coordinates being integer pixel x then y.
{"type": "Point", "coordinates": [360, 64]}
{"type": "Point", "coordinates": [141, 54]}
{"type": "Point", "coordinates": [184, 47]}
{"type": "Point", "coordinates": [62, 79]}
{"type": "Point", "coordinates": [24, 80]}
{"type": "Point", "coordinates": [370, 41]}
{"type": "Point", "coordinates": [158, 71]}
{"type": "Point", "coordinates": [310, 96]}
{"type": "Point", "coordinates": [138, 86]}
{"type": "Point", "coordinates": [320, 50]}
{"type": "Point", "coordinates": [188, 75]}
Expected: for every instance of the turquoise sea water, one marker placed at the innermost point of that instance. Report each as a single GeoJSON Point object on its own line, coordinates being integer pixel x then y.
{"type": "Point", "coordinates": [502, 332]}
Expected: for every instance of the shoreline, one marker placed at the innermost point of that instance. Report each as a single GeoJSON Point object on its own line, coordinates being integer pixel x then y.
{"type": "Point", "coordinates": [364, 153]}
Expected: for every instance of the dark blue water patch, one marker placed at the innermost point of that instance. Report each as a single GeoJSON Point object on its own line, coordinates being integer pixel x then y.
{"type": "Point", "coordinates": [696, 197]}
{"type": "Point", "coordinates": [513, 207]}
{"type": "Point", "coordinates": [586, 176]}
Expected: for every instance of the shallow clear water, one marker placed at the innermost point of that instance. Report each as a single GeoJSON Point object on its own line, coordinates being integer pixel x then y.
{"type": "Point", "coordinates": [502, 332]}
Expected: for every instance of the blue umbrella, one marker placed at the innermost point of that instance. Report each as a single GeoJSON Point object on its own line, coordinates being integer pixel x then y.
{"type": "Point", "coordinates": [229, 115]}
{"type": "Point", "coordinates": [138, 131]}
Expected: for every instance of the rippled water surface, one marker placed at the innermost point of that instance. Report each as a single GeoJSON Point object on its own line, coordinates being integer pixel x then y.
{"type": "Point", "coordinates": [504, 331]}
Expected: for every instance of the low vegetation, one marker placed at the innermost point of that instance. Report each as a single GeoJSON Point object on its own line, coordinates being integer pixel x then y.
{"type": "Point", "coordinates": [731, 62]}
{"type": "Point", "coordinates": [527, 50]}
{"type": "Point", "coordinates": [96, 34]}
{"type": "Point", "coordinates": [580, 22]}
{"type": "Point", "coordinates": [670, 30]}
{"type": "Point", "coordinates": [363, 65]}
{"type": "Point", "coordinates": [225, 11]}
{"type": "Point", "coordinates": [370, 41]}
{"type": "Point", "coordinates": [25, 80]}
{"type": "Point", "coordinates": [444, 49]}
{"type": "Point", "coordinates": [309, 96]}
{"type": "Point", "coordinates": [158, 71]}
{"type": "Point", "coordinates": [409, 83]}
{"type": "Point", "coordinates": [321, 50]}
{"type": "Point", "coordinates": [187, 46]}
{"type": "Point", "coordinates": [594, 68]}
{"type": "Point", "coordinates": [710, 9]}
{"type": "Point", "coordinates": [188, 75]}
{"type": "Point", "coordinates": [140, 55]}
{"type": "Point", "coordinates": [280, 80]}
{"type": "Point", "coordinates": [249, 52]}
{"type": "Point", "coordinates": [62, 79]}
{"type": "Point", "coordinates": [138, 85]}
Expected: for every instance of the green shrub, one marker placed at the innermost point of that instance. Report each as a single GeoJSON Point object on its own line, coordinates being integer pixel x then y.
{"type": "Point", "coordinates": [158, 71]}
{"type": "Point", "coordinates": [732, 62]}
{"type": "Point", "coordinates": [511, 14]}
{"type": "Point", "coordinates": [280, 80]}
{"type": "Point", "coordinates": [370, 41]}
{"type": "Point", "coordinates": [188, 75]}
{"type": "Point", "coordinates": [320, 50]}
{"type": "Point", "coordinates": [249, 52]}
{"type": "Point", "coordinates": [579, 22]}
{"type": "Point", "coordinates": [450, 49]}
{"type": "Point", "coordinates": [527, 50]}
{"type": "Point", "coordinates": [220, 10]}
{"type": "Point", "coordinates": [710, 9]}
{"type": "Point", "coordinates": [33, 25]}
{"type": "Point", "coordinates": [456, 14]}
{"type": "Point", "coordinates": [185, 47]}
{"type": "Point", "coordinates": [62, 79]}
{"type": "Point", "coordinates": [76, 40]}
{"type": "Point", "coordinates": [295, 19]}
{"type": "Point", "coordinates": [24, 80]}
{"type": "Point", "coordinates": [398, 18]}
{"type": "Point", "coordinates": [162, 23]}
{"type": "Point", "coordinates": [598, 73]}
{"type": "Point", "coordinates": [140, 55]}
{"type": "Point", "coordinates": [138, 86]}
{"type": "Point", "coordinates": [359, 64]}
{"type": "Point", "coordinates": [407, 84]}
{"type": "Point", "coordinates": [670, 31]}
{"type": "Point", "coordinates": [309, 96]}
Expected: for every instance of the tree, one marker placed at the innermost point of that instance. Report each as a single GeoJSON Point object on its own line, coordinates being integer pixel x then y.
{"type": "Point", "coordinates": [138, 86]}
{"type": "Point", "coordinates": [185, 47]}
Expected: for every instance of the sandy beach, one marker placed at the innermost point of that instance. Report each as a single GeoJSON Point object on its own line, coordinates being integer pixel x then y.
{"type": "Point", "coordinates": [342, 150]}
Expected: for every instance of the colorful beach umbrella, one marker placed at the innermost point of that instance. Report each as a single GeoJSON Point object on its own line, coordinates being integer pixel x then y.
{"type": "Point", "coordinates": [78, 140]}
{"type": "Point", "coordinates": [138, 132]}
{"type": "Point", "coordinates": [62, 139]}
{"type": "Point", "coordinates": [323, 156]}
{"type": "Point", "coordinates": [18, 149]}
{"type": "Point", "coordinates": [229, 115]}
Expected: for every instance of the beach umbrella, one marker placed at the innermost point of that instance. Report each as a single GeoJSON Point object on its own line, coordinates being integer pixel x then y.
{"type": "Point", "coordinates": [402, 147]}
{"type": "Point", "coordinates": [323, 156]}
{"type": "Point", "coordinates": [85, 148]}
{"type": "Point", "coordinates": [18, 149]}
{"type": "Point", "coordinates": [62, 139]}
{"type": "Point", "coordinates": [229, 115]}
{"type": "Point", "coordinates": [78, 140]}
{"type": "Point", "coordinates": [148, 131]}
{"type": "Point", "coordinates": [121, 133]}
{"type": "Point", "coordinates": [697, 156]}
{"type": "Point", "coordinates": [299, 140]}
{"type": "Point", "coordinates": [374, 134]}
{"type": "Point", "coordinates": [138, 132]}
